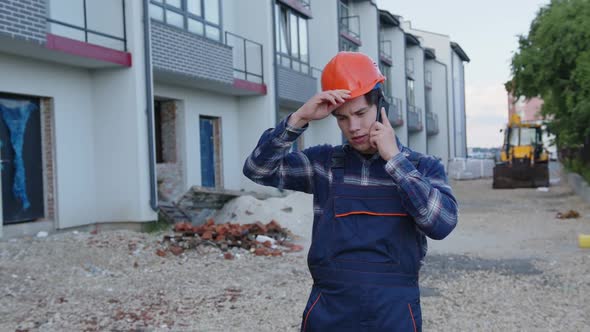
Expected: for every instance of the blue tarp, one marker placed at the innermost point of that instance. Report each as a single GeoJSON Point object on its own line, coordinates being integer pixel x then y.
{"type": "Point", "coordinates": [15, 114]}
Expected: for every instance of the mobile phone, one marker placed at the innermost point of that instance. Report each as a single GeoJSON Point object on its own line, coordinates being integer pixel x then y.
{"type": "Point", "coordinates": [382, 104]}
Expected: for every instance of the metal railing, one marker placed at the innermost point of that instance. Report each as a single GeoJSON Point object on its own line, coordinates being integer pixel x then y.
{"type": "Point", "coordinates": [414, 118]}
{"type": "Point", "coordinates": [395, 111]}
{"type": "Point", "coordinates": [410, 67]}
{"type": "Point", "coordinates": [293, 63]}
{"type": "Point", "coordinates": [349, 24]}
{"type": "Point", "coordinates": [386, 50]}
{"type": "Point", "coordinates": [431, 123]}
{"type": "Point", "coordinates": [428, 79]}
{"type": "Point", "coordinates": [88, 31]}
{"type": "Point", "coordinates": [305, 3]}
{"type": "Point", "coordinates": [248, 58]}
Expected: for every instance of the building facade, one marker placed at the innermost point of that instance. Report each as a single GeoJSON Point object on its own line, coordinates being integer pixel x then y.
{"type": "Point", "coordinates": [109, 108]}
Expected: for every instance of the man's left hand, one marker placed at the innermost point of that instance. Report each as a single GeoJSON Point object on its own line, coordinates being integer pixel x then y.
{"type": "Point", "coordinates": [382, 137]}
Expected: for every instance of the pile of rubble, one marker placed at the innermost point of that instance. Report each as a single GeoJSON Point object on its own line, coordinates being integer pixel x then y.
{"type": "Point", "coordinates": [260, 239]}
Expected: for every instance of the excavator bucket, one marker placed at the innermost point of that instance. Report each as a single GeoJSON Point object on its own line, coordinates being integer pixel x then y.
{"type": "Point", "coordinates": [520, 175]}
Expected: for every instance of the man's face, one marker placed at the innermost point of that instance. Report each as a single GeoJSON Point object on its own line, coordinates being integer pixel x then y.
{"type": "Point", "coordinates": [355, 118]}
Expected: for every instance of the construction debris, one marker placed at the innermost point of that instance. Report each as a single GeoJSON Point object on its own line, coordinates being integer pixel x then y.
{"type": "Point", "coordinates": [571, 214]}
{"type": "Point", "coordinates": [260, 239]}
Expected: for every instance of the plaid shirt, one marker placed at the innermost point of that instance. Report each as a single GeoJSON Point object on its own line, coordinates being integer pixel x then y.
{"type": "Point", "coordinates": [424, 190]}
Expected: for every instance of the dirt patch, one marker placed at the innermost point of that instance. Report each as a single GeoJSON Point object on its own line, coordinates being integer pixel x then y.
{"type": "Point", "coordinates": [509, 265]}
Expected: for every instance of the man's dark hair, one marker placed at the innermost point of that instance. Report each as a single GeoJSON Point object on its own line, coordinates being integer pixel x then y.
{"type": "Point", "coordinates": [372, 97]}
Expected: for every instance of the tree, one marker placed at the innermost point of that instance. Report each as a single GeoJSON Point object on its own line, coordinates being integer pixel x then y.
{"type": "Point", "coordinates": [553, 62]}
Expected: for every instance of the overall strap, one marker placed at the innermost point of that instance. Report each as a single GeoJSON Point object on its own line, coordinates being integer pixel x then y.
{"type": "Point", "coordinates": [337, 164]}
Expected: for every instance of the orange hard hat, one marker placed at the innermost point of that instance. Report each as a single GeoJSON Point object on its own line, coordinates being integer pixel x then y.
{"type": "Point", "coordinates": [352, 71]}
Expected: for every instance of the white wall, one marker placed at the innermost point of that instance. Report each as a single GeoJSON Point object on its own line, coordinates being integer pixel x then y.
{"type": "Point", "coordinates": [74, 145]}
{"type": "Point", "coordinates": [369, 17]}
{"type": "Point", "coordinates": [121, 137]}
{"type": "Point", "coordinates": [323, 46]}
{"type": "Point", "coordinates": [100, 127]}
{"type": "Point", "coordinates": [398, 76]}
{"type": "Point", "coordinates": [253, 20]}
{"type": "Point", "coordinates": [442, 46]}
{"type": "Point", "coordinates": [417, 140]}
{"type": "Point", "coordinates": [438, 144]}
{"type": "Point", "coordinates": [196, 103]}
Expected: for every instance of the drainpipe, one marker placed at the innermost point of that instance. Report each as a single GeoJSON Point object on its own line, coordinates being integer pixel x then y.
{"type": "Point", "coordinates": [454, 103]}
{"type": "Point", "coordinates": [447, 106]}
{"type": "Point", "coordinates": [149, 102]}
{"type": "Point", "coordinates": [404, 69]}
{"type": "Point", "coordinates": [464, 108]}
{"type": "Point", "coordinates": [275, 65]}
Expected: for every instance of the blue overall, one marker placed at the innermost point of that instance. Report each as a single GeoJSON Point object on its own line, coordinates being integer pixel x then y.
{"type": "Point", "coordinates": [364, 259]}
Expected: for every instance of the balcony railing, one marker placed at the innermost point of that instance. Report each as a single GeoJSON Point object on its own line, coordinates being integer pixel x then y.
{"type": "Point", "coordinates": [395, 111]}
{"type": "Point", "coordinates": [431, 123]}
{"type": "Point", "coordinates": [414, 119]}
{"type": "Point", "coordinates": [100, 23]}
{"type": "Point", "coordinates": [386, 51]}
{"type": "Point", "coordinates": [349, 25]}
{"type": "Point", "coordinates": [428, 79]}
{"type": "Point", "coordinates": [410, 67]}
{"type": "Point", "coordinates": [306, 3]}
{"type": "Point", "coordinates": [248, 58]}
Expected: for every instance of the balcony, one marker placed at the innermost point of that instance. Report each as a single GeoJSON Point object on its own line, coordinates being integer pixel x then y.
{"type": "Point", "coordinates": [180, 57]}
{"type": "Point", "coordinates": [428, 79]}
{"type": "Point", "coordinates": [431, 124]}
{"type": "Point", "coordinates": [349, 25]}
{"type": "Point", "coordinates": [82, 33]}
{"type": "Point", "coordinates": [386, 52]}
{"type": "Point", "coordinates": [410, 67]}
{"type": "Point", "coordinates": [395, 111]}
{"type": "Point", "coordinates": [414, 119]}
{"type": "Point", "coordinates": [247, 58]}
{"type": "Point", "coordinates": [294, 87]}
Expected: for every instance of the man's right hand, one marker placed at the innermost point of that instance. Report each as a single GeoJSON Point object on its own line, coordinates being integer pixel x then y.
{"type": "Point", "coordinates": [319, 107]}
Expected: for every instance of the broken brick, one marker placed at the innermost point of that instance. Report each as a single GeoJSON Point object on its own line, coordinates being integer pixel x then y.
{"type": "Point", "coordinates": [228, 255]}
{"type": "Point", "coordinates": [208, 235]}
{"type": "Point", "coordinates": [176, 250]}
{"type": "Point", "coordinates": [295, 248]}
{"type": "Point", "coordinates": [161, 253]}
{"type": "Point", "coordinates": [182, 227]}
{"type": "Point", "coordinates": [261, 252]}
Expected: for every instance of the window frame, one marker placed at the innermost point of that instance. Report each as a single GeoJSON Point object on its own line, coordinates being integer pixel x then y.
{"type": "Point", "coordinates": [303, 64]}
{"type": "Point", "coordinates": [411, 89]}
{"type": "Point", "coordinates": [385, 70]}
{"type": "Point", "coordinates": [186, 15]}
{"type": "Point", "coordinates": [352, 47]}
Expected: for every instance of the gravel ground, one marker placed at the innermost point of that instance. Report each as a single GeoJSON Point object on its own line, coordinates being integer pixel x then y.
{"type": "Point", "coordinates": [509, 266]}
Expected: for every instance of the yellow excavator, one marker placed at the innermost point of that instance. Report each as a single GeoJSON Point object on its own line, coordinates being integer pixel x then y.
{"type": "Point", "coordinates": [524, 162]}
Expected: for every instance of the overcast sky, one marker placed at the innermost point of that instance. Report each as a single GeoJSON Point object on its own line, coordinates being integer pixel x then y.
{"type": "Point", "coordinates": [487, 31]}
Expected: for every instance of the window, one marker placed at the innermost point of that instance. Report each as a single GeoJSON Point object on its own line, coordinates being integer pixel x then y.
{"type": "Point", "coordinates": [411, 95]}
{"type": "Point", "coordinates": [344, 13]}
{"type": "Point", "coordinates": [386, 71]}
{"type": "Point", "coordinates": [201, 17]}
{"type": "Point", "coordinates": [347, 45]}
{"type": "Point", "coordinates": [292, 42]}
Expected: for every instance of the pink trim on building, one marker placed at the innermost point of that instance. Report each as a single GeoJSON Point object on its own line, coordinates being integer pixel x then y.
{"type": "Point", "coordinates": [79, 48]}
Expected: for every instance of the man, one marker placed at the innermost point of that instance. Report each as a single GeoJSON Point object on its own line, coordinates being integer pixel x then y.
{"type": "Point", "coordinates": [374, 202]}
